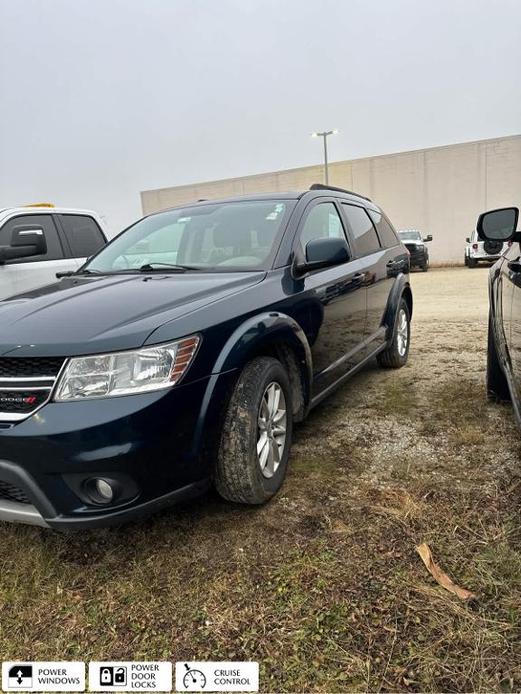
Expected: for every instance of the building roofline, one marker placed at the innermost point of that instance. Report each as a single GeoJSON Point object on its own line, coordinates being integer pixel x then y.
{"type": "Point", "coordinates": [332, 164]}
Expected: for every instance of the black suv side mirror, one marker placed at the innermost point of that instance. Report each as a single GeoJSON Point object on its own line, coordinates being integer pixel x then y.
{"type": "Point", "coordinates": [322, 253]}
{"type": "Point", "coordinates": [25, 241]}
{"type": "Point", "coordinates": [427, 238]}
{"type": "Point", "coordinates": [467, 240]}
{"type": "Point", "coordinates": [498, 225]}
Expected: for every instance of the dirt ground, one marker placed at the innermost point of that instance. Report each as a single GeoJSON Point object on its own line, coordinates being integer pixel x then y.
{"type": "Point", "coordinates": [322, 586]}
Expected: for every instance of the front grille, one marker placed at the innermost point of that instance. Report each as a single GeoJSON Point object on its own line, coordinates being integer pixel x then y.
{"type": "Point", "coordinates": [11, 493]}
{"type": "Point", "coordinates": [30, 367]}
{"type": "Point", "coordinates": [26, 384]}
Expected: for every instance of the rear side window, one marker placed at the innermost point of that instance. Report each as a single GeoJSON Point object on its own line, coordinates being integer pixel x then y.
{"type": "Point", "coordinates": [386, 233]}
{"type": "Point", "coordinates": [45, 222]}
{"type": "Point", "coordinates": [83, 234]}
{"type": "Point", "coordinates": [364, 233]}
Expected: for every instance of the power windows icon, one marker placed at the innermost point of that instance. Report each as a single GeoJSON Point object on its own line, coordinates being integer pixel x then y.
{"type": "Point", "coordinates": [20, 677]}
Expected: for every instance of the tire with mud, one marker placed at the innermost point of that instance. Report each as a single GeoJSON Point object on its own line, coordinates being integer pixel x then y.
{"type": "Point", "coordinates": [256, 437]}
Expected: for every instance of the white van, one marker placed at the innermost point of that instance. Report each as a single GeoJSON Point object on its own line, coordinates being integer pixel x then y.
{"type": "Point", "coordinates": [38, 242]}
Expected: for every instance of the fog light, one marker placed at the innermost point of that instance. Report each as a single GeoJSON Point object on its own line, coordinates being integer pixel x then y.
{"type": "Point", "coordinates": [104, 490]}
{"type": "Point", "coordinates": [100, 491]}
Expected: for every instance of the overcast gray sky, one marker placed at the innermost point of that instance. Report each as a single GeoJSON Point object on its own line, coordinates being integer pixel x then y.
{"type": "Point", "coordinates": [103, 98]}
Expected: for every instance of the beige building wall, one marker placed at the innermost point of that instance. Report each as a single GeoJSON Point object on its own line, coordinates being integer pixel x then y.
{"type": "Point", "coordinates": [440, 190]}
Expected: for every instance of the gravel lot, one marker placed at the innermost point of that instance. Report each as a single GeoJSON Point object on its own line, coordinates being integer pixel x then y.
{"type": "Point", "coordinates": [322, 586]}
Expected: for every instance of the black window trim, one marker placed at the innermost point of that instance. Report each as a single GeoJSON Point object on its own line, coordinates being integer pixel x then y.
{"type": "Point", "coordinates": [36, 258]}
{"type": "Point", "coordinates": [362, 207]}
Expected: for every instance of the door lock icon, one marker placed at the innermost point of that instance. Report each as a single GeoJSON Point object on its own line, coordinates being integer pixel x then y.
{"type": "Point", "coordinates": [113, 676]}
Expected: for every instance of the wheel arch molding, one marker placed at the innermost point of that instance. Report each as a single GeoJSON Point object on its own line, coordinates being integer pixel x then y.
{"type": "Point", "coordinates": [401, 288]}
{"type": "Point", "coordinates": [276, 334]}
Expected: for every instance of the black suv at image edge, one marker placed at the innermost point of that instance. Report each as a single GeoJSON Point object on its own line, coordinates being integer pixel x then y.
{"type": "Point", "coordinates": [183, 353]}
{"type": "Point", "coordinates": [504, 323]}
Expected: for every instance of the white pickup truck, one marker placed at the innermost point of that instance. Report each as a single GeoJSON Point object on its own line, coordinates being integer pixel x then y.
{"type": "Point", "coordinates": [37, 242]}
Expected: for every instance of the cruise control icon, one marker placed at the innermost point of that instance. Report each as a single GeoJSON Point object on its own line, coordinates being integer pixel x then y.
{"type": "Point", "coordinates": [20, 677]}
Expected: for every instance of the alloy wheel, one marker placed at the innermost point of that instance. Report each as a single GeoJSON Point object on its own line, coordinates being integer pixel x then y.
{"type": "Point", "coordinates": [271, 437]}
{"type": "Point", "coordinates": [402, 333]}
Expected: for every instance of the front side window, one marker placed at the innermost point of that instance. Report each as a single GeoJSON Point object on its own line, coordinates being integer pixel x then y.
{"type": "Point", "coordinates": [221, 237]}
{"type": "Point", "coordinates": [43, 221]}
{"type": "Point", "coordinates": [366, 240]}
{"type": "Point", "coordinates": [322, 222]}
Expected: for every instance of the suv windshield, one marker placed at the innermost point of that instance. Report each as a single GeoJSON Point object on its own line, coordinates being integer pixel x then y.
{"type": "Point", "coordinates": [224, 237]}
{"type": "Point", "coordinates": [410, 235]}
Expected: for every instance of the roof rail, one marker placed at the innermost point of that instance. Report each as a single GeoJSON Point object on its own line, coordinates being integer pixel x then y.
{"type": "Point", "coordinates": [321, 186]}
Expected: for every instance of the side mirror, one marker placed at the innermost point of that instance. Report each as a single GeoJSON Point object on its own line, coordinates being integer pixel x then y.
{"type": "Point", "coordinates": [322, 253]}
{"type": "Point", "coordinates": [498, 225]}
{"type": "Point", "coordinates": [467, 240]}
{"type": "Point", "coordinates": [427, 238]}
{"type": "Point", "coordinates": [25, 242]}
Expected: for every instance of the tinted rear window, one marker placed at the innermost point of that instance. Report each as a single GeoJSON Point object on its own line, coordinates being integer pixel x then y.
{"type": "Point", "coordinates": [366, 240]}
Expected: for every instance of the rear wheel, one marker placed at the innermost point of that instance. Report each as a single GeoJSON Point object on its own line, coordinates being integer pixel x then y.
{"type": "Point", "coordinates": [256, 436]}
{"type": "Point", "coordinates": [395, 356]}
{"type": "Point", "coordinates": [497, 384]}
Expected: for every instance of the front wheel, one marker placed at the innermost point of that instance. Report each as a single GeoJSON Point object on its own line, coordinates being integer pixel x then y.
{"type": "Point", "coordinates": [256, 435]}
{"type": "Point", "coordinates": [472, 263]}
{"type": "Point", "coordinates": [395, 355]}
{"type": "Point", "coordinates": [425, 265]}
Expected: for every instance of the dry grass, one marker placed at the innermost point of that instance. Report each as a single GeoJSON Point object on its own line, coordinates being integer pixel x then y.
{"type": "Point", "coordinates": [323, 586]}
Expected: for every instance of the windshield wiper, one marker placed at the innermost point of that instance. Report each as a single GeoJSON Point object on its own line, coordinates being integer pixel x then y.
{"type": "Point", "coordinates": [166, 267]}
{"type": "Point", "coordinates": [72, 273]}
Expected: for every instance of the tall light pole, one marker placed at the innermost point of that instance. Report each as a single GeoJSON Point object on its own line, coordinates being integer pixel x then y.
{"type": "Point", "coordinates": [325, 135]}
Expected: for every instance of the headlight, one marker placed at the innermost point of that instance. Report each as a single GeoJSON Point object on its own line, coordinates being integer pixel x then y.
{"type": "Point", "coordinates": [125, 373]}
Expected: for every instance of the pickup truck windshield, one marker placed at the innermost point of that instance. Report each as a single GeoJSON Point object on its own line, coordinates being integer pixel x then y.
{"type": "Point", "coordinates": [222, 237]}
{"type": "Point", "coordinates": [410, 235]}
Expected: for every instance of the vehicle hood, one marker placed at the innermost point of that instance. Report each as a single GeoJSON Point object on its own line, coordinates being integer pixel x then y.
{"type": "Point", "coordinates": [89, 315]}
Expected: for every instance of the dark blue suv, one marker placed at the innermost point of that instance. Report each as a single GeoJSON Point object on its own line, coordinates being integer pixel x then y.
{"type": "Point", "coordinates": [184, 352]}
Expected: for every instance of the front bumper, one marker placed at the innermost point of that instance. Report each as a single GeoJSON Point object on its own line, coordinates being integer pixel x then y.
{"type": "Point", "coordinates": [154, 445]}
{"type": "Point", "coordinates": [417, 257]}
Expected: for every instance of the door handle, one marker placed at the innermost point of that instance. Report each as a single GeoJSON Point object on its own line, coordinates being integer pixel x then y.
{"type": "Point", "coordinates": [515, 265]}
